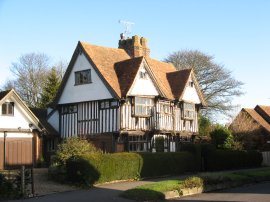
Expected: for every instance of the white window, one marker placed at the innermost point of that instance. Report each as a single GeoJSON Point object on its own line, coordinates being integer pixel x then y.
{"type": "Point", "coordinates": [188, 111]}
{"type": "Point", "coordinates": [138, 143]}
{"type": "Point", "coordinates": [191, 84]}
{"type": "Point", "coordinates": [143, 106]}
{"type": "Point", "coordinates": [8, 108]}
{"type": "Point", "coordinates": [83, 77]}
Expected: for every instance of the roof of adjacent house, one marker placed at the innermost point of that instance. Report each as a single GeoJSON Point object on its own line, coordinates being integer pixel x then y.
{"type": "Point", "coordinates": [258, 118]}
{"type": "Point", "coordinates": [118, 70]}
{"type": "Point", "coordinates": [41, 114]}
{"type": "Point", "coordinates": [12, 93]}
{"type": "Point", "coordinates": [265, 109]}
{"type": "Point", "coordinates": [3, 94]}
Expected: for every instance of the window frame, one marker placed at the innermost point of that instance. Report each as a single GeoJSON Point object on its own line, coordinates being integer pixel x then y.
{"type": "Point", "coordinates": [9, 106]}
{"type": "Point", "coordinates": [79, 77]}
{"type": "Point", "coordinates": [69, 109]}
{"type": "Point", "coordinates": [188, 113]}
{"type": "Point", "coordinates": [146, 108]}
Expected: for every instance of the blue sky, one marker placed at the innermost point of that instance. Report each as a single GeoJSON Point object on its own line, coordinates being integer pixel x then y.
{"type": "Point", "coordinates": [236, 32]}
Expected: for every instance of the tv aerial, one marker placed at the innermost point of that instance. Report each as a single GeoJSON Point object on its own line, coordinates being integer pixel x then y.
{"type": "Point", "coordinates": [127, 25]}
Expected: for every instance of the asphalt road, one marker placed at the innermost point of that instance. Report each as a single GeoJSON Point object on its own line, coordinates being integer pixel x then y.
{"type": "Point", "coordinates": [249, 193]}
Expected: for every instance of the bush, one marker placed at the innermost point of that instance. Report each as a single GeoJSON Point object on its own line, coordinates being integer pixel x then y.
{"type": "Point", "coordinates": [72, 148]}
{"type": "Point", "coordinates": [98, 168]}
{"type": "Point", "coordinates": [227, 159]}
{"type": "Point", "coordinates": [221, 137]}
{"type": "Point", "coordinates": [7, 190]}
{"type": "Point", "coordinates": [196, 150]}
{"type": "Point", "coordinates": [160, 164]}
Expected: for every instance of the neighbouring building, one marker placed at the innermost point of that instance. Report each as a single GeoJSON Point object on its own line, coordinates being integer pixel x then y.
{"type": "Point", "coordinates": [20, 132]}
{"type": "Point", "coordinates": [121, 99]}
{"type": "Point", "coordinates": [252, 127]}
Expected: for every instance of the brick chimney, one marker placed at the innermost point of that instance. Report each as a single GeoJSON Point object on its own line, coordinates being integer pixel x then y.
{"type": "Point", "coordinates": [135, 46]}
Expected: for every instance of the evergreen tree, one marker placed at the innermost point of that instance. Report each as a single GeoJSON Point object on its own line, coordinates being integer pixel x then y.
{"type": "Point", "coordinates": [50, 88]}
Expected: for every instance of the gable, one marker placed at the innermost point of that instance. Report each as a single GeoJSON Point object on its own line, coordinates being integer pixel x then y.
{"type": "Point", "coordinates": [190, 93]}
{"type": "Point", "coordinates": [22, 117]}
{"type": "Point", "coordinates": [143, 84]}
{"type": "Point", "coordinates": [96, 90]}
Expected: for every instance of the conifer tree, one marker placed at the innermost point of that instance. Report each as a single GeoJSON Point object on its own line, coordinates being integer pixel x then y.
{"type": "Point", "coordinates": [50, 88]}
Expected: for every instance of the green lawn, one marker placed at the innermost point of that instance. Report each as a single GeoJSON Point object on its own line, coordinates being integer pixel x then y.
{"type": "Point", "coordinates": [155, 191]}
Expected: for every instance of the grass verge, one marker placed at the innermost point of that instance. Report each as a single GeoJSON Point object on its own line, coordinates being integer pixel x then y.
{"type": "Point", "coordinates": [209, 181]}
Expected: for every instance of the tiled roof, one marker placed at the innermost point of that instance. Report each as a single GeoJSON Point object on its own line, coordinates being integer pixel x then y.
{"type": "Point", "coordinates": [3, 94]}
{"type": "Point", "coordinates": [104, 60]}
{"type": "Point", "coordinates": [126, 72]}
{"type": "Point", "coordinates": [266, 109]}
{"type": "Point", "coordinates": [160, 70]}
{"type": "Point", "coordinates": [41, 114]}
{"type": "Point", "coordinates": [259, 119]}
{"type": "Point", "coordinates": [118, 70]}
{"type": "Point", "coordinates": [177, 81]}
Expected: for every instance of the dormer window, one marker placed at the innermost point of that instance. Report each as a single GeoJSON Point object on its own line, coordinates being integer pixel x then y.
{"type": "Point", "coordinates": [143, 75]}
{"type": "Point", "coordinates": [83, 77]}
{"type": "Point", "coordinates": [8, 108]}
{"type": "Point", "coordinates": [191, 84]}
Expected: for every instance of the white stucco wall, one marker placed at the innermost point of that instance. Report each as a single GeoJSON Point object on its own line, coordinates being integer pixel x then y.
{"type": "Point", "coordinates": [143, 86]}
{"type": "Point", "coordinates": [86, 92]}
{"type": "Point", "coordinates": [190, 94]}
{"type": "Point", "coordinates": [54, 120]}
{"type": "Point", "coordinates": [20, 119]}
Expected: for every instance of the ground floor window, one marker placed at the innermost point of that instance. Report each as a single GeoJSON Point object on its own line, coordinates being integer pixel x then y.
{"type": "Point", "coordinates": [138, 143]}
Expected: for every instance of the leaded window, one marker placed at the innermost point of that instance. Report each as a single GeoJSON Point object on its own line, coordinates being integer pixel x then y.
{"type": "Point", "coordinates": [83, 77]}
{"type": "Point", "coordinates": [143, 106]}
{"type": "Point", "coordinates": [188, 110]}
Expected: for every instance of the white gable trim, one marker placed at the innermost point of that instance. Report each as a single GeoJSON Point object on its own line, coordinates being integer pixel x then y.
{"type": "Point", "coordinates": [190, 93]}
{"type": "Point", "coordinates": [143, 86]}
{"type": "Point", "coordinates": [96, 90]}
{"type": "Point", "coordinates": [22, 108]}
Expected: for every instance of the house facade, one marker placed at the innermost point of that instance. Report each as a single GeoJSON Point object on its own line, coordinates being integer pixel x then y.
{"type": "Point", "coordinates": [123, 100]}
{"type": "Point", "coordinates": [252, 127]}
{"type": "Point", "coordinates": [20, 132]}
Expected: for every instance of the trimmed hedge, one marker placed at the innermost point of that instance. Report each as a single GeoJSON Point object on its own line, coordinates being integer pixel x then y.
{"type": "Point", "coordinates": [160, 164]}
{"type": "Point", "coordinates": [227, 159]}
{"type": "Point", "coordinates": [97, 168]}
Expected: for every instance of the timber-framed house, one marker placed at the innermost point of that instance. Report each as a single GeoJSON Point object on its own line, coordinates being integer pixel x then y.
{"type": "Point", "coordinates": [123, 100]}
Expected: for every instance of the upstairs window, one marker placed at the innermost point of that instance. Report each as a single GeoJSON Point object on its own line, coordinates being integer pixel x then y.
{"type": "Point", "coordinates": [188, 111]}
{"type": "Point", "coordinates": [83, 77]}
{"type": "Point", "coordinates": [8, 108]}
{"type": "Point", "coordinates": [191, 84]}
{"type": "Point", "coordinates": [143, 106]}
{"type": "Point", "coordinates": [143, 75]}
{"type": "Point", "coordinates": [69, 109]}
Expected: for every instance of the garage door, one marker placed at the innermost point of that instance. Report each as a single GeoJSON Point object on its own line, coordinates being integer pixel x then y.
{"type": "Point", "coordinates": [17, 152]}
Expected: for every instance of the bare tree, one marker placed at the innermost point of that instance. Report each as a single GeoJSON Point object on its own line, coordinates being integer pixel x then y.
{"type": "Point", "coordinates": [216, 82]}
{"type": "Point", "coordinates": [30, 72]}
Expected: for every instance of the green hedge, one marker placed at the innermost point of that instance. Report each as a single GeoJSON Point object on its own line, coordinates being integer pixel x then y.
{"type": "Point", "coordinates": [227, 159]}
{"type": "Point", "coordinates": [160, 164]}
{"type": "Point", "coordinates": [97, 168]}
{"type": "Point", "coordinates": [7, 189]}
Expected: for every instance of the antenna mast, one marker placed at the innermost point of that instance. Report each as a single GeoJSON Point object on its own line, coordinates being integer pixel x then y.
{"type": "Point", "coordinates": [127, 25]}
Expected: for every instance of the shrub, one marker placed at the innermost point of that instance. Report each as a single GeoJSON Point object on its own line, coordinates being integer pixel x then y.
{"type": "Point", "coordinates": [7, 190]}
{"type": "Point", "coordinates": [228, 159]}
{"type": "Point", "coordinates": [192, 182]}
{"type": "Point", "coordinates": [196, 150]}
{"type": "Point", "coordinates": [160, 164]}
{"type": "Point", "coordinates": [221, 137]}
{"type": "Point", "coordinates": [74, 147]}
{"type": "Point", "coordinates": [98, 168]}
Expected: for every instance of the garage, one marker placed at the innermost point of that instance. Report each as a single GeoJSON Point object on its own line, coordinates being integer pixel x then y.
{"type": "Point", "coordinates": [16, 150]}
